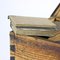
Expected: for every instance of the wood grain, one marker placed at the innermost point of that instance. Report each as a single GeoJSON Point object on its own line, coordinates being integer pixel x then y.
{"type": "Point", "coordinates": [32, 48]}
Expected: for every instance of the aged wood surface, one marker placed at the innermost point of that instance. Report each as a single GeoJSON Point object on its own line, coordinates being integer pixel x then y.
{"type": "Point", "coordinates": [31, 21]}
{"type": "Point", "coordinates": [56, 13]}
{"type": "Point", "coordinates": [30, 53]}
{"type": "Point", "coordinates": [55, 38]}
{"type": "Point", "coordinates": [34, 48]}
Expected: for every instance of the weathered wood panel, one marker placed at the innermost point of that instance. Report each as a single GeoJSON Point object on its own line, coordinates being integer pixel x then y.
{"type": "Point", "coordinates": [34, 48]}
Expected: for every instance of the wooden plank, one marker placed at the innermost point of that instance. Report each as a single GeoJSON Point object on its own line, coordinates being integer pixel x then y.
{"type": "Point", "coordinates": [32, 38]}
{"type": "Point", "coordinates": [56, 13]}
{"type": "Point", "coordinates": [37, 49]}
{"type": "Point", "coordinates": [31, 21]}
{"type": "Point", "coordinates": [28, 53]}
{"type": "Point", "coordinates": [55, 38]}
